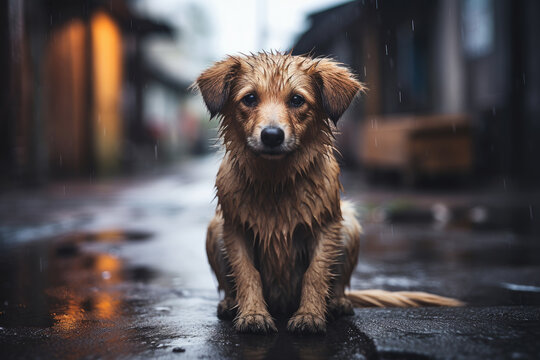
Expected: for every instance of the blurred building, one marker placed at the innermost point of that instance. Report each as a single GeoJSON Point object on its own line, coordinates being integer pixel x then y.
{"type": "Point", "coordinates": [453, 85]}
{"type": "Point", "coordinates": [75, 86]}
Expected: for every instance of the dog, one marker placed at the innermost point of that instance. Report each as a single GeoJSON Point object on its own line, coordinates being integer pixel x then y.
{"type": "Point", "coordinates": [282, 242]}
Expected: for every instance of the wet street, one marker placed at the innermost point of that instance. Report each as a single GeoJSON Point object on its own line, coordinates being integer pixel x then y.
{"type": "Point", "coordinates": [117, 269]}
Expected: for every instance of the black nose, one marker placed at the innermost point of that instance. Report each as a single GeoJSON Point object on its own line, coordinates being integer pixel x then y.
{"type": "Point", "coordinates": [272, 136]}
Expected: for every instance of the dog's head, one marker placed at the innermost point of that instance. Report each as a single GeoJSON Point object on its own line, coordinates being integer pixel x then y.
{"type": "Point", "coordinates": [273, 102]}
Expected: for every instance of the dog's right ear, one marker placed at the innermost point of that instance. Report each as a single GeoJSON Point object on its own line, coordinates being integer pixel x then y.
{"type": "Point", "coordinates": [215, 82]}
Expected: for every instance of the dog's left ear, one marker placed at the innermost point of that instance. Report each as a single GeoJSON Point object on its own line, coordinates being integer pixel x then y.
{"type": "Point", "coordinates": [215, 82]}
{"type": "Point", "coordinates": [338, 87]}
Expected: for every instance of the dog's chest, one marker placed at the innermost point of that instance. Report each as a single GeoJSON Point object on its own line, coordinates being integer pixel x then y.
{"type": "Point", "coordinates": [275, 212]}
{"type": "Point", "coordinates": [282, 267]}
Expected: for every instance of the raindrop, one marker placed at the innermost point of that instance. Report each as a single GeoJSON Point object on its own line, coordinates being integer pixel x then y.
{"type": "Point", "coordinates": [365, 70]}
{"type": "Point", "coordinates": [155, 151]}
{"type": "Point", "coordinates": [376, 143]}
{"type": "Point", "coordinates": [504, 183]}
{"type": "Point", "coordinates": [60, 160]}
{"type": "Point", "coordinates": [162, 308]}
{"type": "Point", "coordinates": [40, 264]}
{"type": "Point", "coordinates": [493, 111]}
{"type": "Point", "coordinates": [441, 213]}
{"type": "Point", "coordinates": [386, 48]}
{"type": "Point", "coordinates": [399, 95]}
{"type": "Point", "coordinates": [531, 214]}
{"type": "Point", "coordinates": [377, 4]}
{"type": "Point", "coordinates": [412, 25]}
{"type": "Point", "coordinates": [523, 76]}
{"type": "Point", "coordinates": [478, 214]}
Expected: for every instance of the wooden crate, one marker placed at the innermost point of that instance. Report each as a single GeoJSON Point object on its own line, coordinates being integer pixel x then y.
{"type": "Point", "coordinates": [437, 144]}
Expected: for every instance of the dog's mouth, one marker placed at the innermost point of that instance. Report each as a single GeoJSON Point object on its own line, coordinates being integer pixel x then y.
{"type": "Point", "coordinates": [271, 154]}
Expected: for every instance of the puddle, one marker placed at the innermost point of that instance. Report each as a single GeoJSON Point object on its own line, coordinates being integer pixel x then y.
{"type": "Point", "coordinates": [69, 245]}
{"type": "Point", "coordinates": [53, 290]}
{"type": "Point", "coordinates": [518, 287]}
{"type": "Point", "coordinates": [397, 355]}
{"type": "Point", "coordinates": [342, 341]}
{"type": "Point", "coordinates": [517, 219]}
{"type": "Point", "coordinates": [140, 274]}
{"type": "Point", "coordinates": [46, 286]}
{"type": "Point", "coordinates": [107, 236]}
{"type": "Point", "coordinates": [67, 249]}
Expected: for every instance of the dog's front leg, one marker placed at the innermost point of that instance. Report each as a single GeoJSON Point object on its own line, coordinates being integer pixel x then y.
{"type": "Point", "coordinates": [311, 315]}
{"type": "Point", "coordinates": [252, 316]}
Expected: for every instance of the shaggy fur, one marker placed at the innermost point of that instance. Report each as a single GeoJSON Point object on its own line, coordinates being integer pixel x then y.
{"type": "Point", "coordinates": [282, 241]}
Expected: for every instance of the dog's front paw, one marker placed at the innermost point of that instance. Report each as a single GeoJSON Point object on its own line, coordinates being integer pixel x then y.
{"type": "Point", "coordinates": [255, 323]}
{"type": "Point", "coordinates": [226, 309]}
{"type": "Point", "coordinates": [305, 323]}
{"type": "Point", "coordinates": [340, 306]}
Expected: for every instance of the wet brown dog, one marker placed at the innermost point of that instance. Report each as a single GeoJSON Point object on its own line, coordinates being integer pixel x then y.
{"type": "Point", "coordinates": [282, 241]}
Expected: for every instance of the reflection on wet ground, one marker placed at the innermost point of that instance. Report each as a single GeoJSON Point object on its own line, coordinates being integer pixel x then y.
{"type": "Point", "coordinates": [342, 340]}
{"type": "Point", "coordinates": [57, 297]}
{"type": "Point", "coordinates": [133, 280]}
{"type": "Point", "coordinates": [471, 252]}
{"type": "Point", "coordinates": [57, 292]}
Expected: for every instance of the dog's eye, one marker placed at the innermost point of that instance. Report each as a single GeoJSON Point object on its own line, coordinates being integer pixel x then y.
{"type": "Point", "coordinates": [297, 101]}
{"type": "Point", "coordinates": [249, 100]}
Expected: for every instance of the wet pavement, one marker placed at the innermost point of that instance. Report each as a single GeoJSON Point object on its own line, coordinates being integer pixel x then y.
{"type": "Point", "coordinates": [117, 269]}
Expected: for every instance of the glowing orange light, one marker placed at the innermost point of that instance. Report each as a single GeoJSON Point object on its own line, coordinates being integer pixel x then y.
{"type": "Point", "coordinates": [106, 262]}
{"type": "Point", "coordinates": [71, 317]}
{"type": "Point", "coordinates": [107, 306]}
{"type": "Point", "coordinates": [107, 70]}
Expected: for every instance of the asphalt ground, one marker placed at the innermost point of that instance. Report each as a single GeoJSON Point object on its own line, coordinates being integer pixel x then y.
{"type": "Point", "coordinates": [117, 269]}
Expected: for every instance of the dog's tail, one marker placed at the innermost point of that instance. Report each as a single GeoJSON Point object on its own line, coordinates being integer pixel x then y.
{"type": "Point", "coordinates": [382, 298]}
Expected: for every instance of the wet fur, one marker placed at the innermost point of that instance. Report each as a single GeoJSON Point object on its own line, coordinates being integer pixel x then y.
{"type": "Point", "coordinates": [282, 241]}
